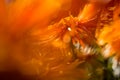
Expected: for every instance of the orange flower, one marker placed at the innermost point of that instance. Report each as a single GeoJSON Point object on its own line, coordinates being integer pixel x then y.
{"type": "Point", "coordinates": [31, 46]}
{"type": "Point", "coordinates": [110, 35]}
{"type": "Point", "coordinates": [21, 50]}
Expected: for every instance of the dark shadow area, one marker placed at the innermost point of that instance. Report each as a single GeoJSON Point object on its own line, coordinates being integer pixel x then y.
{"type": "Point", "coordinates": [14, 75]}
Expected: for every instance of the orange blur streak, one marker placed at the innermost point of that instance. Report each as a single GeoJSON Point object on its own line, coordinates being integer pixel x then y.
{"type": "Point", "coordinates": [89, 12]}
{"type": "Point", "coordinates": [2, 11]}
{"type": "Point", "coordinates": [23, 14]}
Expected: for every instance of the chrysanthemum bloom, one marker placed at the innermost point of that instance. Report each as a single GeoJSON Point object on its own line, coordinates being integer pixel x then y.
{"type": "Point", "coordinates": [110, 38]}
{"type": "Point", "coordinates": [36, 41]}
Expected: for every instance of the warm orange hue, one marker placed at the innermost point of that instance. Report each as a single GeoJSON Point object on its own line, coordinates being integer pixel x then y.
{"type": "Point", "coordinates": [23, 48]}
{"type": "Point", "coordinates": [39, 37]}
{"type": "Point", "coordinates": [91, 10]}
{"type": "Point", "coordinates": [110, 35]}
